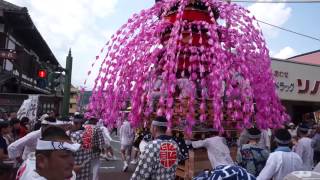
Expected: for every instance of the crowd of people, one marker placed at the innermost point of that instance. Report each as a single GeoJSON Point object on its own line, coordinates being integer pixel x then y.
{"type": "Point", "coordinates": [261, 154]}
{"type": "Point", "coordinates": [265, 155]}
{"type": "Point", "coordinates": [52, 148]}
{"type": "Point", "coordinates": [71, 148]}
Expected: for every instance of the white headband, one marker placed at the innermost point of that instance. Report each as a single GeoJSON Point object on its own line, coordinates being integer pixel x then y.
{"type": "Point", "coordinates": [54, 145]}
{"type": "Point", "coordinates": [45, 122]}
{"type": "Point", "coordinates": [257, 136]}
{"type": "Point", "coordinates": [59, 122]}
{"type": "Point", "coordinates": [157, 123]}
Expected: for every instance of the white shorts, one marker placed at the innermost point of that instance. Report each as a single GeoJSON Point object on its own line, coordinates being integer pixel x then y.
{"type": "Point", "coordinates": [107, 142]}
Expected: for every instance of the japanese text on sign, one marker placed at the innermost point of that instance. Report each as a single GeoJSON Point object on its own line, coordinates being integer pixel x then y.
{"type": "Point", "coordinates": [304, 87]}
{"type": "Point", "coordinates": [280, 74]}
{"type": "Point", "coordinates": [285, 87]}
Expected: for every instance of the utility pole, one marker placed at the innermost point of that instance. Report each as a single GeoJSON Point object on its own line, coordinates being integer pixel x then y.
{"type": "Point", "coordinates": [67, 86]}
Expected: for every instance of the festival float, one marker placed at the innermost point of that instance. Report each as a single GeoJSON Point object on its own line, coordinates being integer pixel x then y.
{"type": "Point", "coordinates": [203, 64]}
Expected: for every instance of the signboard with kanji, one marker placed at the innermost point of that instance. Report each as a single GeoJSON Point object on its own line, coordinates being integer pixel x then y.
{"type": "Point", "coordinates": [29, 108]}
{"type": "Point", "coordinates": [296, 81]}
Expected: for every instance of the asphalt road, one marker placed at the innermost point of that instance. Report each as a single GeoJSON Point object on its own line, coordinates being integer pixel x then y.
{"type": "Point", "coordinates": [113, 169]}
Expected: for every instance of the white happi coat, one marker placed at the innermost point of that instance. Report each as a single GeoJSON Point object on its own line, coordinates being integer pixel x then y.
{"type": "Point", "coordinates": [304, 149]}
{"type": "Point", "coordinates": [24, 146]}
{"type": "Point", "coordinates": [106, 135]}
{"type": "Point", "coordinates": [27, 170]}
{"type": "Point", "coordinates": [126, 134]}
{"type": "Point", "coordinates": [280, 164]}
{"type": "Point", "coordinates": [218, 151]}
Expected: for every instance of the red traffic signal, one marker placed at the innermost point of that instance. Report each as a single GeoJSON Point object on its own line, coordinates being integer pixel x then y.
{"type": "Point", "coordinates": [42, 73]}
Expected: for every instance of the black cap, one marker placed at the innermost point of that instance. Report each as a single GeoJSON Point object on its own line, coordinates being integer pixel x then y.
{"type": "Point", "coordinates": [303, 128]}
{"type": "Point", "coordinates": [3, 124]}
{"type": "Point", "coordinates": [282, 136]}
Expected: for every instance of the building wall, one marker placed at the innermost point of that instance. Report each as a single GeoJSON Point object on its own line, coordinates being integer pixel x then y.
{"type": "Point", "coordinates": [298, 86]}
{"type": "Point", "coordinates": [297, 81]}
{"type": "Point", "coordinates": [73, 106]}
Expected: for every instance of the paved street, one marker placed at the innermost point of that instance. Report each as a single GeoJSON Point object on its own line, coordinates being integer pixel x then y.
{"type": "Point", "coordinates": [113, 169]}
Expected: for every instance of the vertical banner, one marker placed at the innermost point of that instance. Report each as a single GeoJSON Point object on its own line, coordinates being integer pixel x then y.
{"type": "Point", "coordinates": [29, 108]}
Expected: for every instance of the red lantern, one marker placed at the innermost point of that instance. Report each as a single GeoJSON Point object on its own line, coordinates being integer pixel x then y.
{"type": "Point", "coordinates": [42, 73]}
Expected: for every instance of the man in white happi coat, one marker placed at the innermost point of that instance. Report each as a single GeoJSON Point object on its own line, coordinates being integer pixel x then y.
{"type": "Point", "coordinates": [26, 145]}
{"type": "Point", "coordinates": [159, 160]}
{"type": "Point", "coordinates": [126, 140]}
{"type": "Point", "coordinates": [53, 159]}
{"type": "Point", "coordinates": [283, 161]}
{"type": "Point", "coordinates": [304, 148]}
{"type": "Point", "coordinates": [218, 151]}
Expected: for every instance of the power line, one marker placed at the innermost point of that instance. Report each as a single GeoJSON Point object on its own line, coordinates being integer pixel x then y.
{"type": "Point", "coordinates": [288, 30]}
{"type": "Point", "coordinates": [284, 1]}
{"type": "Point", "coordinates": [289, 1]}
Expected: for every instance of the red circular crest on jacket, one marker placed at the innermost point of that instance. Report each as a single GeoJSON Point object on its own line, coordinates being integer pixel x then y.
{"type": "Point", "coordinates": [168, 155]}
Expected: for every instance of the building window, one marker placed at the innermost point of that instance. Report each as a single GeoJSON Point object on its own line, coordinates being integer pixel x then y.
{"type": "Point", "coordinates": [8, 65]}
{"type": "Point", "coordinates": [70, 105]}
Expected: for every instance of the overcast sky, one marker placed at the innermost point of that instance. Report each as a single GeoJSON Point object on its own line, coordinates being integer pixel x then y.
{"type": "Point", "coordinates": [86, 25]}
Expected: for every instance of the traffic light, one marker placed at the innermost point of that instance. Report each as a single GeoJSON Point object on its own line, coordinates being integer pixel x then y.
{"type": "Point", "coordinates": [42, 73]}
{"type": "Point", "coordinates": [54, 79]}
{"type": "Point", "coordinates": [42, 78]}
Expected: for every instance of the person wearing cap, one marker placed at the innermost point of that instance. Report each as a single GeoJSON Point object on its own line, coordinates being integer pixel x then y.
{"type": "Point", "coordinates": [82, 157]}
{"type": "Point", "coordinates": [218, 151]}
{"type": "Point", "coordinates": [4, 130]}
{"type": "Point", "coordinates": [160, 158]}
{"type": "Point", "coordinates": [53, 159]}
{"type": "Point", "coordinates": [126, 135]}
{"type": "Point", "coordinates": [304, 148]}
{"type": "Point", "coordinates": [292, 130]}
{"type": "Point", "coordinates": [264, 141]}
{"type": "Point", "coordinates": [23, 146]}
{"type": "Point", "coordinates": [94, 141]}
{"type": "Point", "coordinates": [251, 156]}
{"type": "Point", "coordinates": [282, 161]}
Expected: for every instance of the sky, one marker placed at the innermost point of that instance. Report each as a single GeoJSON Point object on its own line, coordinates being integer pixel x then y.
{"type": "Point", "coordinates": [86, 25]}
